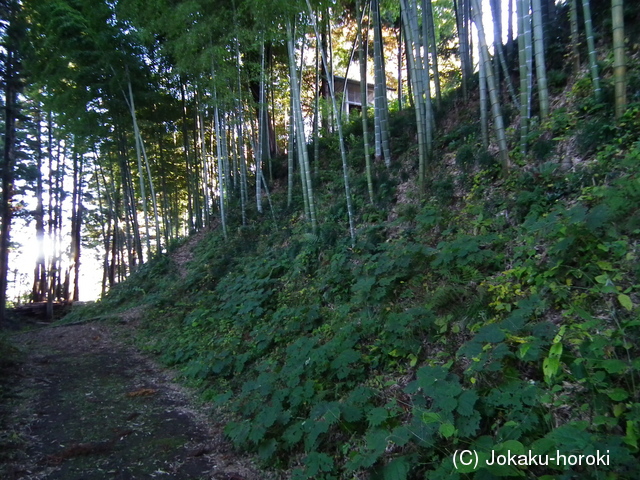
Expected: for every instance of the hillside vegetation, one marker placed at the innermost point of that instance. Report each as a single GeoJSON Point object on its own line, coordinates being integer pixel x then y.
{"type": "Point", "coordinates": [491, 314]}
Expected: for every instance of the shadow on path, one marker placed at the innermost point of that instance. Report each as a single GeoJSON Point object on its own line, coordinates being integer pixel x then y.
{"type": "Point", "coordinates": [84, 406]}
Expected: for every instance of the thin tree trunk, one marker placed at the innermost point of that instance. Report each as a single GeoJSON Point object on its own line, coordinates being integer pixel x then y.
{"type": "Point", "coordinates": [399, 39]}
{"type": "Point", "coordinates": [305, 170]}
{"type": "Point", "coordinates": [76, 223]}
{"type": "Point", "coordinates": [244, 196]}
{"type": "Point", "coordinates": [381, 107]}
{"type": "Point", "coordinates": [185, 142]}
{"type": "Point", "coordinates": [204, 156]}
{"type": "Point", "coordinates": [541, 70]}
{"type": "Point", "coordinates": [498, 122]}
{"type": "Point", "coordinates": [343, 153]}
{"type": "Point", "coordinates": [9, 159]}
{"type": "Point", "coordinates": [524, 76]}
{"type": "Point", "coordinates": [619, 61]}
{"type": "Point", "coordinates": [433, 47]}
{"type": "Point", "coordinates": [315, 134]}
{"type": "Point", "coordinates": [364, 97]}
{"type": "Point", "coordinates": [510, 40]}
{"type": "Point", "coordinates": [143, 195]}
{"type": "Point", "coordinates": [290, 150]}
{"type": "Point", "coordinates": [462, 20]}
{"type": "Point", "coordinates": [416, 79]}
{"type": "Point", "coordinates": [222, 181]}
{"type": "Point", "coordinates": [499, 58]}
{"type": "Point", "coordinates": [260, 147]}
{"type": "Point", "coordinates": [575, 36]}
{"type": "Point", "coordinates": [39, 290]}
{"type": "Point", "coordinates": [484, 120]}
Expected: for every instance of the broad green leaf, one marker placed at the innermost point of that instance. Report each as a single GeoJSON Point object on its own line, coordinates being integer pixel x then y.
{"type": "Point", "coordinates": [617, 394]}
{"type": "Point", "coordinates": [397, 469]}
{"type": "Point", "coordinates": [614, 365]}
{"type": "Point", "coordinates": [625, 301]}
{"type": "Point", "coordinates": [447, 430]}
{"type": "Point", "coordinates": [555, 350]}
{"type": "Point", "coordinates": [377, 416]}
{"type": "Point", "coordinates": [430, 417]}
{"type": "Point", "coordinates": [466, 402]}
{"type": "Point", "coordinates": [550, 367]}
{"type": "Point", "coordinates": [631, 438]}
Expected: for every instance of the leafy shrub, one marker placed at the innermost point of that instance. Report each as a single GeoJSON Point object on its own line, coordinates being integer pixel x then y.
{"type": "Point", "coordinates": [593, 134]}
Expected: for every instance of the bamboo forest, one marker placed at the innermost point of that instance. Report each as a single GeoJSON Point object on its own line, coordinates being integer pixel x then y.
{"type": "Point", "coordinates": [320, 239]}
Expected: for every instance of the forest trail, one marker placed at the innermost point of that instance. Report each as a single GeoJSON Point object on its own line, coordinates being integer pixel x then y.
{"type": "Point", "coordinates": [83, 404]}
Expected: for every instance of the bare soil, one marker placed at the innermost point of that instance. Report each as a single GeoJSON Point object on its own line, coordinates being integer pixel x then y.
{"type": "Point", "coordinates": [83, 404]}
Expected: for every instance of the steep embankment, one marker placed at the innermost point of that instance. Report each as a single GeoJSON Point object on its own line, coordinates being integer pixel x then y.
{"type": "Point", "coordinates": [495, 314]}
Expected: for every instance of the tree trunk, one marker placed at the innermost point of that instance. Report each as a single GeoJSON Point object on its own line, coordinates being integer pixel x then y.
{"type": "Point", "coordinates": [619, 61]}
{"type": "Point", "coordinates": [541, 69]}
{"type": "Point", "coordinates": [305, 170]}
{"type": "Point", "coordinates": [526, 63]}
{"type": "Point", "coordinates": [427, 18]}
{"type": "Point", "coordinates": [364, 96]}
{"type": "Point", "coordinates": [11, 84]}
{"type": "Point", "coordinates": [143, 195]}
{"type": "Point", "coordinates": [575, 36]}
{"type": "Point", "coordinates": [343, 152]}
{"type": "Point", "coordinates": [380, 82]}
{"type": "Point", "coordinates": [39, 290]}
{"type": "Point", "coordinates": [498, 122]}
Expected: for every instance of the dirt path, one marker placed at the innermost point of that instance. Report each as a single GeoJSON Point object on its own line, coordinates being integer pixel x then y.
{"type": "Point", "coordinates": [85, 406]}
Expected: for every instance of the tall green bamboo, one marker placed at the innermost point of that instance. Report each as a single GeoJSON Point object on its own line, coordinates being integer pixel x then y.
{"type": "Point", "coordinates": [303, 156]}
{"type": "Point", "coordinates": [380, 85]}
{"type": "Point", "coordinates": [290, 148]}
{"type": "Point", "coordinates": [364, 94]}
{"type": "Point", "coordinates": [541, 69]}
{"type": "Point", "coordinates": [222, 181]}
{"type": "Point", "coordinates": [409, 18]}
{"type": "Point", "coordinates": [501, 63]}
{"type": "Point", "coordinates": [484, 120]}
{"type": "Point", "coordinates": [427, 19]}
{"type": "Point", "coordinates": [591, 47]}
{"type": "Point", "coordinates": [524, 75]}
{"type": "Point", "coordinates": [343, 151]}
{"type": "Point", "coordinates": [575, 36]}
{"type": "Point", "coordinates": [205, 157]}
{"type": "Point", "coordinates": [462, 21]}
{"type": "Point", "coordinates": [498, 122]}
{"type": "Point", "coordinates": [619, 61]}
{"type": "Point", "coordinates": [240, 136]}
{"type": "Point", "coordinates": [143, 196]}
{"type": "Point", "coordinates": [261, 130]}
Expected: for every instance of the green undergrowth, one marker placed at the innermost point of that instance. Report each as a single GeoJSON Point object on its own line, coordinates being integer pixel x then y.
{"type": "Point", "coordinates": [493, 315]}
